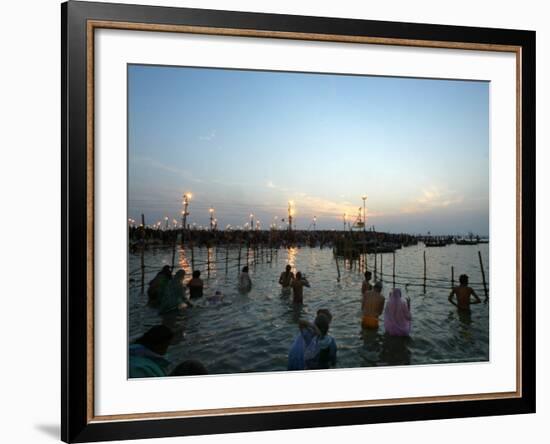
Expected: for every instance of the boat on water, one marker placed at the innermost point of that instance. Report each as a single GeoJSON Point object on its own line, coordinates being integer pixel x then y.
{"type": "Point", "coordinates": [466, 242]}
{"type": "Point", "coordinates": [435, 243]}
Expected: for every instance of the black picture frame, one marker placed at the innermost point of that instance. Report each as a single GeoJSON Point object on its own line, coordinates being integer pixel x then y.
{"type": "Point", "coordinates": [76, 425]}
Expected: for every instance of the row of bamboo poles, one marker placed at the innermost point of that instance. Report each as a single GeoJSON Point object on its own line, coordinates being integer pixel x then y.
{"type": "Point", "coordinates": [362, 265]}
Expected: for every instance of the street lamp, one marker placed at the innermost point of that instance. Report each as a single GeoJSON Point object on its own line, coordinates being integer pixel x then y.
{"type": "Point", "coordinates": [364, 197]}
{"type": "Point", "coordinates": [186, 198]}
{"type": "Point", "coordinates": [251, 221]}
{"type": "Point", "coordinates": [211, 211]}
{"type": "Point", "coordinates": [290, 214]}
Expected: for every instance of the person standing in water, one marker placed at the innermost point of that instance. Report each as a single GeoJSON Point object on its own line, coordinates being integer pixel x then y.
{"type": "Point", "coordinates": [366, 283]}
{"type": "Point", "coordinates": [397, 316]}
{"type": "Point", "coordinates": [173, 298]}
{"type": "Point", "coordinates": [245, 284]}
{"type": "Point", "coordinates": [195, 285]}
{"type": "Point", "coordinates": [298, 285]}
{"type": "Point", "coordinates": [463, 294]}
{"type": "Point", "coordinates": [372, 307]}
{"type": "Point", "coordinates": [286, 278]}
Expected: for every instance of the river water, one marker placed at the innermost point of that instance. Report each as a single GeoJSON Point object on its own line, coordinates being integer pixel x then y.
{"type": "Point", "coordinates": [253, 332]}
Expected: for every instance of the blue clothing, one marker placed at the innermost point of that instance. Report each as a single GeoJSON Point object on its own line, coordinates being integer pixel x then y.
{"type": "Point", "coordinates": [310, 351]}
{"type": "Point", "coordinates": [143, 363]}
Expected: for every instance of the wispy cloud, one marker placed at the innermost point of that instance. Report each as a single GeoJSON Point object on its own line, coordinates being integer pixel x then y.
{"type": "Point", "coordinates": [208, 137]}
{"type": "Point", "coordinates": [431, 198]}
{"type": "Point", "coordinates": [151, 163]}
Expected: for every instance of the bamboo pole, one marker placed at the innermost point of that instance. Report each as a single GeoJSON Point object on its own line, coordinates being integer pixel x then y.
{"type": "Point", "coordinates": [424, 271]}
{"type": "Point", "coordinates": [226, 258]}
{"type": "Point", "coordinates": [394, 269]}
{"type": "Point", "coordinates": [483, 275]}
{"type": "Point", "coordinates": [192, 256]}
{"type": "Point", "coordinates": [381, 267]}
{"type": "Point", "coordinates": [239, 260]}
{"type": "Point", "coordinates": [143, 253]}
{"type": "Point", "coordinates": [452, 277]}
{"type": "Point", "coordinates": [337, 265]}
{"type": "Point", "coordinates": [208, 261]}
{"type": "Point", "coordinates": [375, 266]}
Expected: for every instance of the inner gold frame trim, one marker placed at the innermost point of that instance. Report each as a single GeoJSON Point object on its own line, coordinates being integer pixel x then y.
{"type": "Point", "coordinates": [92, 25]}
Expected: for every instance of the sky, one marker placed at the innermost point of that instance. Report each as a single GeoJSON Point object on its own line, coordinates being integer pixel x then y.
{"type": "Point", "coordinates": [248, 142]}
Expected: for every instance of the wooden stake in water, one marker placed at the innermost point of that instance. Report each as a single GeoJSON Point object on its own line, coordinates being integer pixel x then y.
{"type": "Point", "coordinates": [337, 265]}
{"type": "Point", "coordinates": [452, 277]}
{"type": "Point", "coordinates": [143, 253]}
{"type": "Point", "coordinates": [192, 257]}
{"type": "Point", "coordinates": [424, 271]}
{"type": "Point", "coordinates": [483, 276]}
{"type": "Point", "coordinates": [394, 269]}
{"type": "Point", "coordinates": [375, 266]}
{"type": "Point", "coordinates": [226, 258]}
{"type": "Point", "coordinates": [381, 267]}
{"type": "Point", "coordinates": [239, 260]}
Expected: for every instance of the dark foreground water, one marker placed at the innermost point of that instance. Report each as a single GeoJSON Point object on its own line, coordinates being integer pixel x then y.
{"type": "Point", "coordinates": [253, 332]}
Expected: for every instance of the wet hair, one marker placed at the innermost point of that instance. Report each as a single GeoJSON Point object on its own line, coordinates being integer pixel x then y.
{"type": "Point", "coordinates": [166, 270]}
{"type": "Point", "coordinates": [378, 285]}
{"type": "Point", "coordinates": [463, 279]}
{"type": "Point", "coordinates": [156, 339]}
{"type": "Point", "coordinates": [245, 269]}
{"type": "Point", "coordinates": [189, 368]}
{"type": "Point", "coordinates": [368, 275]}
{"type": "Point", "coordinates": [288, 268]}
{"type": "Point", "coordinates": [196, 274]}
{"type": "Point", "coordinates": [322, 322]}
{"type": "Point", "coordinates": [298, 275]}
{"type": "Point", "coordinates": [325, 312]}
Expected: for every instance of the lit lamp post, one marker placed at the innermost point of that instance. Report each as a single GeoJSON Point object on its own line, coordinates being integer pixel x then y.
{"type": "Point", "coordinates": [314, 223]}
{"type": "Point", "coordinates": [290, 214]}
{"type": "Point", "coordinates": [251, 221]}
{"type": "Point", "coordinates": [186, 198]}
{"type": "Point", "coordinates": [345, 215]}
{"type": "Point", "coordinates": [364, 197]}
{"type": "Point", "coordinates": [211, 211]}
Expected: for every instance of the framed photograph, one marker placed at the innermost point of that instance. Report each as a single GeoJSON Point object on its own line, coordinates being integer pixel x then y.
{"type": "Point", "coordinates": [275, 221]}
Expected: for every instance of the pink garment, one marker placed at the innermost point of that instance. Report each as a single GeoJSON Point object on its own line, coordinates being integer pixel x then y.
{"type": "Point", "coordinates": [397, 316]}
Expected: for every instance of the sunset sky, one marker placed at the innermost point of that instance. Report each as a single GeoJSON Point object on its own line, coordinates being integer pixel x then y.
{"type": "Point", "coordinates": [249, 141]}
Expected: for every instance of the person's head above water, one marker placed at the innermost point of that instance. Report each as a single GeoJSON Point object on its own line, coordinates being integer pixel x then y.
{"type": "Point", "coordinates": [463, 279]}
{"type": "Point", "coordinates": [378, 286]}
{"type": "Point", "coordinates": [288, 268]}
{"type": "Point", "coordinates": [196, 274]}
{"type": "Point", "coordinates": [157, 339]}
{"type": "Point", "coordinates": [298, 275]}
{"type": "Point", "coordinates": [325, 312]}
{"type": "Point", "coordinates": [245, 269]}
{"type": "Point", "coordinates": [166, 270]}
{"type": "Point", "coordinates": [180, 274]}
{"type": "Point", "coordinates": [322, 322]}
{"type": "Point", "coordinates": [368, 275]}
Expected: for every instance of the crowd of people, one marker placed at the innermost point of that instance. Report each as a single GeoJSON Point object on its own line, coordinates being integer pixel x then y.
{"type": "Point", "coordinates": [312, 348]}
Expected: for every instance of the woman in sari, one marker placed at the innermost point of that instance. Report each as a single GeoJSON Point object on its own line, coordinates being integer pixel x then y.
{"type": "Point", "coordinates": [397, 315]}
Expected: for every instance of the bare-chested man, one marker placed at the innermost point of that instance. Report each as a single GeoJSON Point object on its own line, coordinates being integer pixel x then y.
{"type": "Point", "coordinates": [463, 293]}
{"type": "Point", "coordinates": [366, 283]}
{"type": "Point", "coordinates": [298, 285]}
{"type": "Point", "coordinates": [286, 279]}
{"type": "Point", "coordinates": [372, 306]}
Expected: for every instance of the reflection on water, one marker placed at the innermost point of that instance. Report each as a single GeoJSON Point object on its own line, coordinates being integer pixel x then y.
{"type": "Point", "coordinates": [253, 331]}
